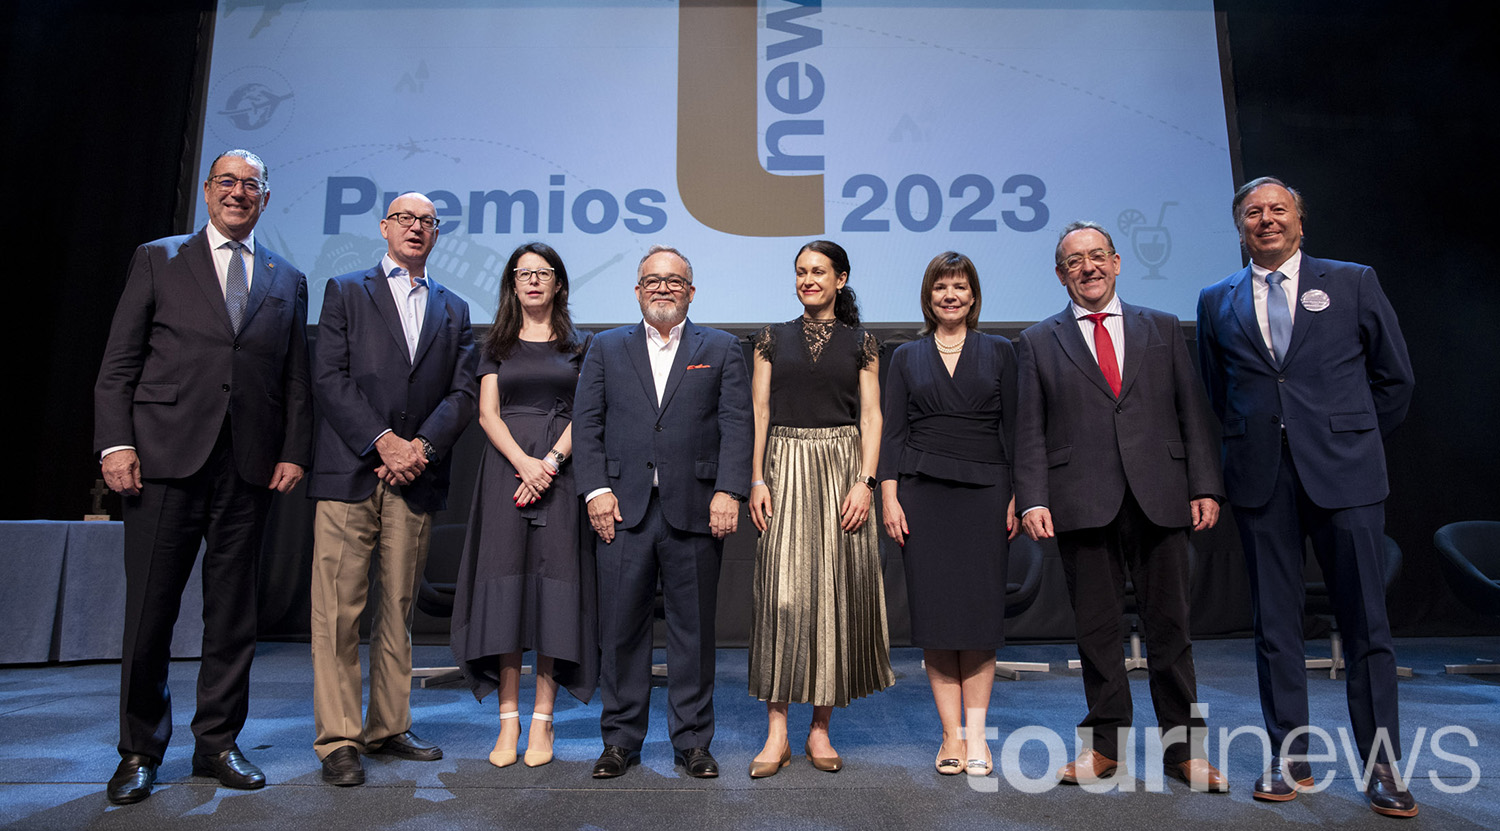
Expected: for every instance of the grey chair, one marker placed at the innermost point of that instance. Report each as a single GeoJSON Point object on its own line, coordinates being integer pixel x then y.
{"type": "Point", "coordinates": [436, 589]}
{"type": "Point", "coordinates": [1023, 582]}
{"type": "Point", "coordinates": [1320, 604]}
{"type": "Point", "coordinates": [1471, 563]}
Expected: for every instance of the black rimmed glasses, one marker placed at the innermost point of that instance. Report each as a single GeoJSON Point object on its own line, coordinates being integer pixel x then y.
{"type": "Point", "coordinates": [541, 275]}
{"type": "Point", "coordinates": [652, 282]}
{"type": "Point", "coordinates": [405, 220]}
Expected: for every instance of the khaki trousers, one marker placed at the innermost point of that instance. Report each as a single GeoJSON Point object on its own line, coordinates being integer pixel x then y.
{"type": "Point", "coordinates": [346, 535]}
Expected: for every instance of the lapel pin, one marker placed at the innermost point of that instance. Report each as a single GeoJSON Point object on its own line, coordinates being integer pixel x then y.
{"type": "Point", "coordinates": [1315, 300]}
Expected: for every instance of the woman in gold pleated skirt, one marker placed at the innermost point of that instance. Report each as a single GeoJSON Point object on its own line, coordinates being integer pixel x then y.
{"type": "Point", "coordinates": [818, 633]}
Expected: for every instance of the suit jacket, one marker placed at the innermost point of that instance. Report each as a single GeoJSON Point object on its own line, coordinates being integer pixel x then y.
{"type": "Point", "coordinates": [365, 383]}
{"type": "Point", "coordinates": [173, 366]}
{"type": "Point", "coordinates": [696, 442]}
{"type": "Point", "coordinates": [1078, 448]}
{"type": "Point", "coordinates": [1345, 383]}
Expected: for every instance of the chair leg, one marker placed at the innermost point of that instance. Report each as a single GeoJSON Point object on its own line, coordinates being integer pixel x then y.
{"type": "Point", "coordinates": [1485, 666]}
{"type": "Point", "coordinates": [1011, 670]}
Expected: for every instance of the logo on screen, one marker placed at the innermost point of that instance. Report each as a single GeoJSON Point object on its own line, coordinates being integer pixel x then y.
{"type": "Point", "coordinates": [720, 176]}
{"type": "Point", "coordinates": [251, 104]}
{"type": "Point", "coordinates": [1152, 244]}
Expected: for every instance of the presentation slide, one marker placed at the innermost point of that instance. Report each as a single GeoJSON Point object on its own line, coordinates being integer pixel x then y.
{"type": "Point", "coordinates": [736, 132]}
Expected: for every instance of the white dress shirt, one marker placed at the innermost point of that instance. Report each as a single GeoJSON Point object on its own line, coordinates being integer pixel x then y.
{"type": "Point", "coordinates": [661, 351]}
{"type": "Point", "coordinates": [221, 253]}
{"type": "Point", "coordinates": [411, 301]}
{"type": "Point", "coordinates": [1114, 324]}
{"type": "Point", "coordinates": [1292, 268]}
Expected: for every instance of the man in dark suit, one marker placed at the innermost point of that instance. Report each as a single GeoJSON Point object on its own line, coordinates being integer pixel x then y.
{"type": "Point", "coordinates": [1116, 457]}
{"type": "Point", "coordinates": [393, 375]}
{"type": "Point", "coordinates": [201, 412]}
{"type": "Point", "coordinates": [1307, 370]}
{"type": "Point", "coordinates": [661, 443]}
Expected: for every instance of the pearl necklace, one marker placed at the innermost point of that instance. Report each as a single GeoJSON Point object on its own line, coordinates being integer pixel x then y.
{"type": "Point", "coordinates": [947, 349]}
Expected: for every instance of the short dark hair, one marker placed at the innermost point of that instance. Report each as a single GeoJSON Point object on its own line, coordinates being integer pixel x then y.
{"type": "Point", "coordinates": [265, 172]}
{"type": "Point", "coordinates": [1249, 187]}
{"type": "Point", "coordinates": [1079, 225]}
{"type": "Point", "coordinates": [949, 264]}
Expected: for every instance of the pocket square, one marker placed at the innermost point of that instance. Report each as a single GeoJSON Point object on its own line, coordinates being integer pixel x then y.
{"type": "Point", "coordinates": [698, 366]}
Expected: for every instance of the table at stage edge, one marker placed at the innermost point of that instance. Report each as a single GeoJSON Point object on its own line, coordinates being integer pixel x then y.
{"type": "Point", "coordinates": [62, 594]}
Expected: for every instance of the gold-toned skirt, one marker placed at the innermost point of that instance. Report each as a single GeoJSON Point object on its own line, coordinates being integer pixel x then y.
{"type": "Point", "coordinates": [818, 633]}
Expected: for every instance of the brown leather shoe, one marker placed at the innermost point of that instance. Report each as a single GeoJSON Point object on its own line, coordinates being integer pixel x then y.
{"type": "Point", "coordinates": [1388, 795]}
{"type": "Point", "coordinates": [1200, 776]}
{"type": "Point", "coordinates": [1282, 780]}
{"type": "Point", "coordinates": [1087, 769]}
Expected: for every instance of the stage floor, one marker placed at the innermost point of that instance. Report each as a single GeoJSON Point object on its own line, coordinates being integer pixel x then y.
{"type": "Point", "coordinates": [57, 748]}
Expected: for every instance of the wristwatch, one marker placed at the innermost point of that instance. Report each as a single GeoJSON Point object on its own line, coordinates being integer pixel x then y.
{"type": "Point", "coordinates": [870, 482]}
{"type": "Point", "coordinates": [427, 449]}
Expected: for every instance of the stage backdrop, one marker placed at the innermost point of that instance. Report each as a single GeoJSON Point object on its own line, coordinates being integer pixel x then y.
{"type": "Point", "coordinates": [736, 131]}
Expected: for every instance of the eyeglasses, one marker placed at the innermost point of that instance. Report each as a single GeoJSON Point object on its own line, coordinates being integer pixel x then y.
{"type": "Point", "coordinates": [542, 275]}
{"type": "Point", "coordinates": [405, 220]}
{"type": "Point", "coordinates": [652, 282]}
{"type": "Point", "coordinates": [253, 186]}
{"type": "Point", "coordinates": [1098, 257]}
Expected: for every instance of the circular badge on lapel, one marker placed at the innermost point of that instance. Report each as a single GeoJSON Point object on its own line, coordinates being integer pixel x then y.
{"type": "Point", "coordinates": [1315, 300]}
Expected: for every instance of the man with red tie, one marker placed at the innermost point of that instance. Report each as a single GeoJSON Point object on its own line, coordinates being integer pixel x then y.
{"type": "Point", "coordinates": [1117, 457]}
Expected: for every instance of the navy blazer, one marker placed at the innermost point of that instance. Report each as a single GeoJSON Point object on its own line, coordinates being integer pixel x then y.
{"type": "Point", "coordinates": [696, 442]}
{"type": "Point", "coordinates": [365, 382]}
{"type": "Point", "coordinates": [1346, 383]}
{"type": "Point", "coordinates": [173, 366]}
{"type": "Point", "coordinates": [1078, 448]}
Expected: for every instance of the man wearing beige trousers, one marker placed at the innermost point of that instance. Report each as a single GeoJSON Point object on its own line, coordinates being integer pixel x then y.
{"type": "Point", "coordinates": [393, 380]}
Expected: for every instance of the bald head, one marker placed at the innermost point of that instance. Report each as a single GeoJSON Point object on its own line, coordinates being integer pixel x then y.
{"type": "Point", "coordinates": [410, 243]}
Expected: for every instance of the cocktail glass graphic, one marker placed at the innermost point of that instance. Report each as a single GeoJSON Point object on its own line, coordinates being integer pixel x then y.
{"type": "Point", "coordinates": [1152, 243]}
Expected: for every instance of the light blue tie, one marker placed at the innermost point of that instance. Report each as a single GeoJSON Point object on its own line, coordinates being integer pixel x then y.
{"type": "Point", "coordinates": [1278, 315]}
{"type": "Point", "coordinates": [236, 287]}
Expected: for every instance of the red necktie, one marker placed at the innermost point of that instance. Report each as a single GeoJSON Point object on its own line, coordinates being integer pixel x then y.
{"type": "Point", "coordinates": [1104, 348]}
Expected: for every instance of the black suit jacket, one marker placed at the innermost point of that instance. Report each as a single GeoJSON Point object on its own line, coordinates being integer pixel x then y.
{"type": "Point", "coordinates": [697, 441]}
{"type": "Point", "coordinates": [173, 366]}
{"type": "Point", "coordinates": [1078, 448]}
{"type": "Point", "coordinates": [365, 382]}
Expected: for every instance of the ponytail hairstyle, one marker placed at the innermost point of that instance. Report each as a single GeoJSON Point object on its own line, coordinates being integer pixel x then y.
{"type": "Point", "coordinates": [845, 306]}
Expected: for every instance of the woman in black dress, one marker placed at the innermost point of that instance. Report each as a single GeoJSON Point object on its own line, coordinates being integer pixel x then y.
{"type": "Point", "coordinates": [949, 426]}
{"type": "Point", "coordinates": [818, 631]}
{"type": "Point", "coordinates": [526, 581]}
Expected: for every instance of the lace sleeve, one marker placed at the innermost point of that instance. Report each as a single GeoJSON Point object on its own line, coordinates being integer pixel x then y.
{"type": "Point", "coordinates": [765, 344]}
{"type": "Point", "coordinates": [869, 348]}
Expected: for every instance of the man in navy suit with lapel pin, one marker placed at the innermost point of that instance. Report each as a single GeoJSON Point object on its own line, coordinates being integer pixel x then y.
{"type": "Point", "coordinates": [201, 411]}
{"type": "Point", "coordinates": [1116, 456]}
{"type": "Point", "coordinates": [661, 450]}
{"type": "Point", "coordinates": [1307, 370]}
{"type": "Point", "coordinates": [393, 376]}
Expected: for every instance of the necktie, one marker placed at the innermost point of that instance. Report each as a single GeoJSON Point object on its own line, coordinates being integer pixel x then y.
{"type": "Point", "coordinates": [1278, 315]}
{"type": "Point", "coordinates": [236, 287]}
{"type": "Point", "coordinates": [1104, 348]}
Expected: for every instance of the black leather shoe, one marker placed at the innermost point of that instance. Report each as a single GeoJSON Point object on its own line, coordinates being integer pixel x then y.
{"type": "Point", "coordinates": [1388, 797]}
{"type": "Point", "coordinates": [132, 780]}
{"type": "Point", "coordinates": [231, 768]}
{"type": "Point", "coordinates": [343, 768]}
{"type": "Point", "coordinates": [408, 746]}
{"type": "Point", "coordinates": [698, 762]}
{"type": "Point", "coordinates": [614, 761]}
{"type": "Point", "coordinates": [1283, 779]}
